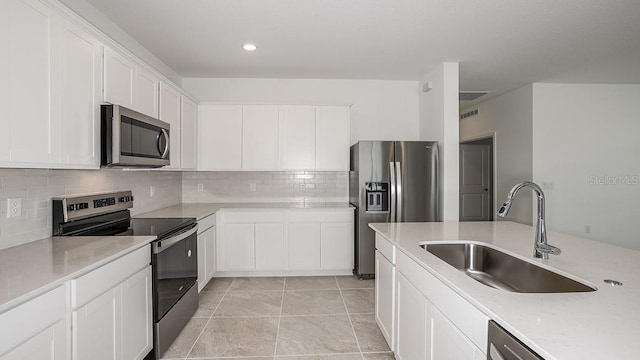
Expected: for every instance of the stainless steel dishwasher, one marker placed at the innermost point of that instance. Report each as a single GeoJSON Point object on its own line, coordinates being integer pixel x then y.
{"type": "Point", "coordinates": [503, 346]}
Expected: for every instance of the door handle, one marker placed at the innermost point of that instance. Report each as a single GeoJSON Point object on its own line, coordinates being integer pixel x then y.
{"type": "Point", "coordinates": [164, 151]}
{"type": "Point", "coordinates": [392, 179]}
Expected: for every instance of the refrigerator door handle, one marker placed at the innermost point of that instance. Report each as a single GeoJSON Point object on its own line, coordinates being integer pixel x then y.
{"type": "Point", "coordinates": [392, 178]}
{"type": "Point", "coordinates": [398, 178]}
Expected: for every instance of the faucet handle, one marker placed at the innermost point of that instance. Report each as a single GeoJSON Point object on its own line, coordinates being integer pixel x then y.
{"type": "Point", "coordinates": [548, 249]}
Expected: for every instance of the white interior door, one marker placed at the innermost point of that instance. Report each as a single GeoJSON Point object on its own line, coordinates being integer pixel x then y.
{"type": "Point", "coordinates": [475, 182]}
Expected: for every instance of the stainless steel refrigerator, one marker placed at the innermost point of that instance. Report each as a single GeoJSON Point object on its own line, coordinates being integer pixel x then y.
{"type": "Point", "coordinates": [390, 181]}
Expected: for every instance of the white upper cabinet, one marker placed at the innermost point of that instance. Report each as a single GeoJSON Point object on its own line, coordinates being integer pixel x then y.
{"type": "Point", "coordinates": [119, 79]}
{"type": "Point", "coordinates": [189, 137]}
{"type": "Point", "coordinates": [220, 137]}
{"type": "Point", "coordinates": [146, 95]}
{"type": "Point", "coordinates": [79, 97]}
{"type": "Point", "coordinates": [259, 137]}
{"type": "Point", "coordinates": [170, 112]}
{"type": "Point", "coordinates": [298, 137]}
{"type": "Point", "coordinates": [130, 84]}
{"type": "Point", "coordinates": [27, 69]}
{"type": "Point", "coordinates": [269, 138]}
{"type": "Point", "coordinates": [332, 138]}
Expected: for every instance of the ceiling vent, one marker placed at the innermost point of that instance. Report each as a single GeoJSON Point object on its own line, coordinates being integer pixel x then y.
{"type": "Point", "coordinates": [469, 114]}
{"type": "Point", "coordinates": [470, 95]}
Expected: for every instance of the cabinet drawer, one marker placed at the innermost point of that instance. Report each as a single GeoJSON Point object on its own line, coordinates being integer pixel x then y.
{"type": "Point", "coordinates": [466, 317]}
{"type": "Point", "coordinates": [32, 317]}
{"type": "Point", "coordinates": [386, 249]}
{"type": "Point", "coordinates": [320, 216]}
{"type": "Point", "coordinates": [205, 223]}
{"type": "Point", "coordinates": [252, 216]}
{"type": "Point", "coordinates": [89, 286]}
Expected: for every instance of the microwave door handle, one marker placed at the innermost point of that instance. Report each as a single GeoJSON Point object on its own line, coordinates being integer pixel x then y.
{"type": "Point", "coordinates": [164, 151]}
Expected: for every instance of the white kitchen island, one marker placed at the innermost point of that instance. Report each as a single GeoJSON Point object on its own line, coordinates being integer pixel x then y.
{"type": "Point", "coordinates": [604, 324]}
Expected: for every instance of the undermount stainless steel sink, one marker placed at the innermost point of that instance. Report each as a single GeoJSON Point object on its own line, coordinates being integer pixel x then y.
{"type": "Point", "coordinates": [502, 271]}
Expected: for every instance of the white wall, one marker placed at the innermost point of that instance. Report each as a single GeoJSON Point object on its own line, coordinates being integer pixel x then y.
{"type": "Point", "coordinates": [107, 26]}
{"type": "Point", "coordinates": [586, 142]}
{"type": "Point", "coordinates": [381, 110]}
{"type": "Point", "coordinates": [439, 121]}
{"type": "Point", "coordinates": [509, 119]}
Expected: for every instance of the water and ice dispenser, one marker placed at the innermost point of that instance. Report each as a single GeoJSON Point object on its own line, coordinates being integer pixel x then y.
{"type": "Point", "coordinates": [377, 194]}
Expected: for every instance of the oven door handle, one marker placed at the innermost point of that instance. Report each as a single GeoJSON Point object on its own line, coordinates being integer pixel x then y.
{"type": "Point", "coordinates": [160, 246]}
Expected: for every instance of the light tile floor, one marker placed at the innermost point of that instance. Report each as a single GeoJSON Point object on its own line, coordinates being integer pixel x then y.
{"type": "Point", "coordinates": [277, 318]}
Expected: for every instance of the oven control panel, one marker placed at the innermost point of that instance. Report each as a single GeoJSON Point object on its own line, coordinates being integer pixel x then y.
{"type": "Point", "coordinates": [83, 206]}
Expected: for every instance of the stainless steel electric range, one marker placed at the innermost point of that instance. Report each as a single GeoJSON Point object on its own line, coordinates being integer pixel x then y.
{"type": "Point", "coordinates": [173, 253]}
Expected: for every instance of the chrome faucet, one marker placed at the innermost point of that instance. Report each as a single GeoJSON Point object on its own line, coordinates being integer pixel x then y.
{"type": "Point", "coordinates": [541, 249]}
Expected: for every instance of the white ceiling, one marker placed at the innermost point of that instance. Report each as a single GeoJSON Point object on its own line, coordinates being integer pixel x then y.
{"type": "Point", "coordinates": [500, 44]}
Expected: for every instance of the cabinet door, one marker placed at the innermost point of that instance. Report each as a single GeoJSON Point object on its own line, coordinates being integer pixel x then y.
{"type": "Point", "coordinates": [80, 96]}
{"type": "Point", "coordinates": [447, 342]}
{"type": "Point", "coordinates": [260, 138]}
{"type": "Point", "coordinates": [146, 96]}
{"type": "Point", "coordinates": [119, 78]}
{"type": "Point", "coordinates": [189, 138]}
{"type": "Point", "coordinates": [336, 245]}
{"type": "Point", "coordinates": [136, 334]}
{"type": "Point", "coordinates": [170, 112]}
{"type": "Point", "coordinates": [385, 297]}
{"type": "Point", "coordinates": [210, 245]}
{"type": "Point", "coordinates": [269, 246]}
{"type": "Point", "coordinates": [239, 247]}
{"type": "Point", "coordinates": [202, 262]}
{"type": "Point", "coordinates": [219, 137]}
{"type": "Point", "coordinates": [297, 137]}
{"type": "Point", "coordinates": [412, 331]}
{"type": "Point", "coordinates": [27, 69]}
{"type": "Point", "coordinates": [50, 344]}
{"type": "Point", "coordinates": [332, 138]}
{"type": "Point", "coordinates": [303, 245]}
{"type": "Point", "coordinates": [95, 326]}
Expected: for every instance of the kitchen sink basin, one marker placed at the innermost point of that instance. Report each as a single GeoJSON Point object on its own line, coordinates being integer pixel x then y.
{"type": "Point", "coordinates": [502, 271]}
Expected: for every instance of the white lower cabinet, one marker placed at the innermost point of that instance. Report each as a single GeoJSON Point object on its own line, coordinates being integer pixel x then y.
{"type": "Point", "coordinates": [137, 315]}
{"type": "Point", "coordinates": [303, 245]}
{"type": "Point", "coordinates": [269, 243]}
{"type": "Point", "coordinates": [432, 322]}
{"type": "Point", "coordinates": [255, 242]}
{"type": "Point", "coordinates": [111, 310]}
{"type": "Point", "coordinates": [50, 344]}
{"type": "Point", "coordinates": [412, 330]}
{"type": "Point", "coordinates": [385, 297]}
{"type": "Point", "coordinates": [447, 342]}
{"type": "Point", "coordinates": [42, 331]}
{"type": "Point", "coordinates": [206, 250]}
{"type": "Point", "coordinates": [95, 325]}
{"type": "Point", "coordinates": [336, 245]}
{"type": "Point", "coordinates": [238, 247]}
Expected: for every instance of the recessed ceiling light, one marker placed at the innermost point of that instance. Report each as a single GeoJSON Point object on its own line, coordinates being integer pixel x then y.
{"type": "Point", "coordinates": [249, 47]}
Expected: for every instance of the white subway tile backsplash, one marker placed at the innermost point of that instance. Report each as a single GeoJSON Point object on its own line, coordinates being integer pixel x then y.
{"type": "Point", "coordinates": [277, 186]}
{"type": "Point", "coordinates": [36, 187]}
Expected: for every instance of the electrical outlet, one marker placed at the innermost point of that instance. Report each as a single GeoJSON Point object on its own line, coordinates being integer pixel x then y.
{"type": "Point", "coordinates": [14, 207]}
{"type": "Point", "coordinates": [200, 187]}
{"type": "Point", "coordinates": [152, 191]}
{"type": "Point", "coordinates": [587, 229]}
{"type": "Point", "coordinates": [252, 187]}
{"type": "Point", "coordinates": [547, 186]}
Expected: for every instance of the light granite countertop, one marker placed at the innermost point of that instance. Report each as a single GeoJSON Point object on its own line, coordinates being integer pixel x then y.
{"type": "Point", "coordinates": [31, 269]}
{"type": "Point", "coordinates": [202, 210]}
{"type": "Point", "coordinates": [604, 324]}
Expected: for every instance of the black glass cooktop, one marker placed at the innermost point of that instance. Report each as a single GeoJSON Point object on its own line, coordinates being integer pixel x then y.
{"type": "Point", "coordinates": [158, 227]}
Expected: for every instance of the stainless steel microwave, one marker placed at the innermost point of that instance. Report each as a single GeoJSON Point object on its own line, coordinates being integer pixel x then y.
{"type": "Point", "coordinates": [132, 139]}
